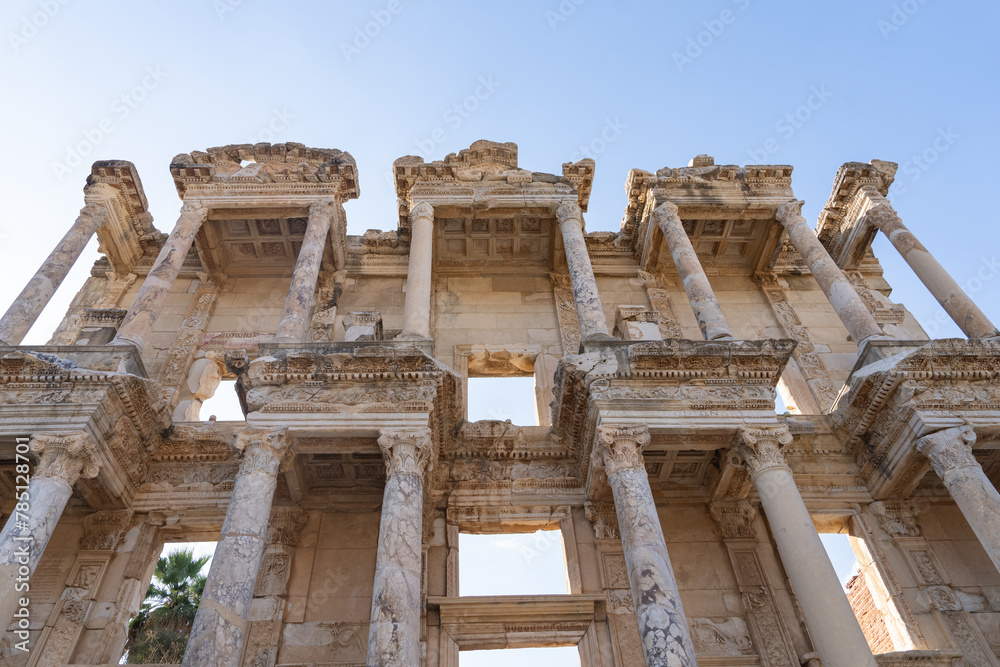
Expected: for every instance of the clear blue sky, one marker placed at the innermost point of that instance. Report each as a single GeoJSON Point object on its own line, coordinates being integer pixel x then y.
{"type": "Point", "coordinates": [634, 84]}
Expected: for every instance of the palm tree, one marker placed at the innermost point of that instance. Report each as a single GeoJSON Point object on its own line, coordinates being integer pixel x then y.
{"type": "Point", "coordinates": [159, 632]}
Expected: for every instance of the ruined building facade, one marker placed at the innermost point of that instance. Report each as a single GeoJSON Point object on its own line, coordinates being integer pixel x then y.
{"type": "Point", "coordinates": [689, 511]}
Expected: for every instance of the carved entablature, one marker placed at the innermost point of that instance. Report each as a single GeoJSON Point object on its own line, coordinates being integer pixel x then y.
{"type": "Point", "coordinates": [674, 386]}
{"type": "Point", "coordinates": [128, 232]}
{"type": "Point", "coordinates": [842, 228]}
{"type": "Point", "coordinates": [903, 390]}
{"type": "Point", "coordinates": [75, 397]}
{"type": "Point", "coordinates": [487, 170]}
{"type": "Point", "coordinates": [727, 210]}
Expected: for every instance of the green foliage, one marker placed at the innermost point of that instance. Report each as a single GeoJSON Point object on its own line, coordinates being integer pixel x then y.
{"type": "Point", "coordinates": [159, 632]}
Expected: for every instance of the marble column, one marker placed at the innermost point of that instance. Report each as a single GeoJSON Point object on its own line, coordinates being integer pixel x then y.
{"type": "Point", "coordinates": [156, 287]}
{"type": "Point", "coordinates": [417, 305]}
{"type": "Point", "coordinates": [706, 307]}
{"type": "Point", "coordinates": [666, 640]}
{"type": "Point", "coordinates": [394, 634]}
{"type": "Point", "coordinates": [581, 274]}
{"type": "Point", "coordinates": [967, 315]}
{"type": "Point", "coordinates": [294, 324]}
{"type": "Point", "coordinates": [950, 452]}
{"type": "Point", "coordinates": [63, 458]}
{"type": "Point", "coordinates": [220, 626]}
{"type": "Point", "coordinates": [832, 624]}
{"type": "Point", "coordinates": [18, 319]}
{"type": "Point", "coordinates": [838, 289]}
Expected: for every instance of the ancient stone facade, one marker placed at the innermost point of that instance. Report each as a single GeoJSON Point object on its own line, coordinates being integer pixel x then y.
{"type": "Point", "coordinates": [689, 510]}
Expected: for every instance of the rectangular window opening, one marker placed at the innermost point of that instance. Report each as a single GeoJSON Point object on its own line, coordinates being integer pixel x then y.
{"type": "Point", "coordinates": [512, 564]}
{"type": "Point", "coordinates": [158, 634]}
{"type": "Point", "coordinates": [223, 405]}
{"type": "Point", "coordinates": [561, 656]}
{"type": "Point", "coordinates": [503, 398]}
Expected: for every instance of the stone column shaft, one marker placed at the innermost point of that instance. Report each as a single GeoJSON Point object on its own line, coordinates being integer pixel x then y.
{"type": "Point", "coordinates": [294, 324]}
{"type": "Point", "coordinates": [838, 289]}
{"type": "Point", "coordinates": [220, 626]}
{"type": "Point", "coordinates": [832, 624]}
{"type": "Point", "coordinates": [16, 322]}
{"type": "Point", "coordinates": [152, 295]}
{"type": "Point", "coordinates": [706, 307]}
{"type": "Point", "coordinates": [967, 315]}
{"type": "Point", "coordinates": [581, 273]}
{"type": "Point", "coordinates": [394, 634]}
{"type": "Point", "coordinates": [63, 459]}
{"type": "Point", "coordinates": [417, 305]}
{"type": "Point", "coordinates": [950, 452]}
{"type": "Point", "coordinates": [666, 640]}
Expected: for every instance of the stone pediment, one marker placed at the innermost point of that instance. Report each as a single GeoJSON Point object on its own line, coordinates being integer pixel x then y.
{"type": "Point", "coordinates": [485, 172]}
{"type": "Point", "coordinates": [128, 232]}
{"type": "Point", "coordinates": [271, 168]}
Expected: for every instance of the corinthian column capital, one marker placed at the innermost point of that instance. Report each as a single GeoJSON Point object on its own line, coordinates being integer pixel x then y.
{"type": "Point", "coordinates": [569, 211]}
{"type": "Point", "coordinates": [789, 210]}
{"type": "Point", "coordinates": [406, 451]}
{"type": "Point", "coordinates": [193, 210]}
{"type": "Point", "coordinates": [759, 449]}
{"type": "Point", "coordinates": [883, 216]}
{"type": "Point", "coordinates": [65, 456]}
{"type": "Point", "coordinates": [619, 447]}
{"type": "Point", "coordinates": [950, 449]}
{"type": "Point", "coordinates": [421, 209]}
{"type": "Point", "coordinates": [264, 450]}
{"type": "Point", "coordinates": [93, 216]}
{"type": "Point", "coordinates": [665, 211]}
{"type": "Point", "coordinates": [324, 208]}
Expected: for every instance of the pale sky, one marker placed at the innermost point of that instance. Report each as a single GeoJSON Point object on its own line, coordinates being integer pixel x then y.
{"type": "Point", "coordinates": [632, 84]}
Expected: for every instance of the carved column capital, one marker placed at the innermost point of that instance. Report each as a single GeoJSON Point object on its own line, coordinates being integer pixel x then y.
{"type": "Point", "coordinates": [619, 448]}
{"type": "Point", "coordinates": [65, 456]}
{"type": "Point", "coordinates": [950, 449]}
{"type": "Point", "coordinates": [897, 518]}
{"type": "Point", "coordinates": [285, 526]}
{"type": "Point", "coordinates": [735, 519]}
{"type": "Point", "coordinates": [421, 209]}
{"type": "Point", "coordinates": [790, 210]}
{"type": "Point", "coordinates": [759, 449]}
{"type": "Point", "coordinates": [604, 519]}
{"type": "Point", "coordinates": [93, 216]}
{"type": "Point", "coordinates": [406, 451]}
{"type": "Point", "coordinates": [666, 211]}
{"type": "Point", "coordinates": [325, 208]}
{"type": "Point", "coordinates": [105, 530]}
{"type": "Point", "coordinates": [193, 211]}
{"type": "Point", "coordinates": [569, 211]}
{"type": "Point", "coordinates": [264, 450]}
{"type": "Point", "coordinates": [882, 216]}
